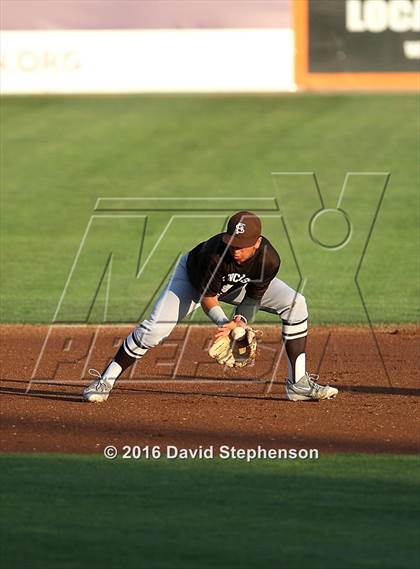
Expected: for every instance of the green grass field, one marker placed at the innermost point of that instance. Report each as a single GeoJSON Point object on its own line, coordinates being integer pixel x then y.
{"type": "Point", "coordinates": [340, 512]}
{"type": "Point", "coordinates": [59, 154]}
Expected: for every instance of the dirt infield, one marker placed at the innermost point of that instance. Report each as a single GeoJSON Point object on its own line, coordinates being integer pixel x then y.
{"type": "Point", "coordinates": [178, 395]}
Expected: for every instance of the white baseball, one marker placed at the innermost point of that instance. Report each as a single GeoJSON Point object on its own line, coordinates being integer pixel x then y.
{"type": "Point", "coordinates": [238, 333]}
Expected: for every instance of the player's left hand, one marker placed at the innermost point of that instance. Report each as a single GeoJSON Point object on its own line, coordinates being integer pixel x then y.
{"type": "Point", "coordinates": [231, 353]}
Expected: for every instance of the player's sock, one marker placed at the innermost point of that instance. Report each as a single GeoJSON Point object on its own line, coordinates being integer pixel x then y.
{"type": "Point", "coordinates": [128, 353]}
{"type": "Point", "coordinates": [296, 366]}
{"type": "Point", "coordinates": [294, 336]}
{"type": "Point", "coordinates": [112, 372]}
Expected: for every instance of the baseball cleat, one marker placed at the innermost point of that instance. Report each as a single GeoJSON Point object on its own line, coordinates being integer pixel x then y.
{"type": "Point", "coordinates": [306, 389]}
{"type": "Point", "coordinates": [98, 391]}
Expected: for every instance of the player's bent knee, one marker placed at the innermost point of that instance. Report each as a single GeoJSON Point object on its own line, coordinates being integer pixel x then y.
{"type": "Point", "coordinates": [149, 334]}
{"type": "Point", "coordinates": [300, 309]}
{"type": "Point", "coordinates": [297, 311]}
{"type": "Point", "coordinates": [295, 322]}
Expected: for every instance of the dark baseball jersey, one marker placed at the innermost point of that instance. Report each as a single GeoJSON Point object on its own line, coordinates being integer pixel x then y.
{"type": "Point", "coordinates": [213, 271]}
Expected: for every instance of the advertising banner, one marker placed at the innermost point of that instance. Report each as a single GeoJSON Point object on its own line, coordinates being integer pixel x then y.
{"type": "Point", "coordinates": [357, 44]}
{"type": "Point", "coordinates": [139, 61]}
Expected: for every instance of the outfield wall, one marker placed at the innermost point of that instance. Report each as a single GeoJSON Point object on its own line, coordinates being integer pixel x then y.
{"type": "Point", "coordinates": [193, 46]}
{"type": "Point", "coordinates": [132, 61]}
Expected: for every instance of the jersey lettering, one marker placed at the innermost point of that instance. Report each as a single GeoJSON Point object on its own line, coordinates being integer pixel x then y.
{"type": "Point", "coordinates": [237, 278]}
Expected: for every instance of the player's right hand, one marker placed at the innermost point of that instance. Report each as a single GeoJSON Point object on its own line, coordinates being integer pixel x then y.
{"type": "Point", "coordinates": [226, 329]}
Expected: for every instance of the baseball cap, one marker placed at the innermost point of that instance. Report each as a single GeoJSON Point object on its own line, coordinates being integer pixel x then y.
{"type": "Point", "coordinates": [243, 229]}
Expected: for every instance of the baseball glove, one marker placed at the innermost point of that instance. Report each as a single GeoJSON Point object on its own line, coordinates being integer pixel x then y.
{"type": "Point", "coordinates": [235, 353]}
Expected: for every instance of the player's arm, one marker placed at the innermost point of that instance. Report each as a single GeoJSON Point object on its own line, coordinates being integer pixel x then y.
{"type": "Point", "coordinates": [211, 285]}
{"type": "Point", "coordinates": [211, 306]}
{"type": "Point", "coordinates": [248, 308]}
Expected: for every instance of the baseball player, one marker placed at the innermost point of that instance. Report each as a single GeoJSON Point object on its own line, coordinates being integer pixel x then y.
{"type": "Point", "coordinates": [238, 267]}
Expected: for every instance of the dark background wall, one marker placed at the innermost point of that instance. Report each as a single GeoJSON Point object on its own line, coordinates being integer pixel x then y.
{"type": "Point", "coordinates": [335, 47]}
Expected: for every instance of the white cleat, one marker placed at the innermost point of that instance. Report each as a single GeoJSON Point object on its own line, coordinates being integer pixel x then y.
{"type": "Point", "coordinates": [306, 389]}
{"type": "Point", "coordinates": [98, 391]}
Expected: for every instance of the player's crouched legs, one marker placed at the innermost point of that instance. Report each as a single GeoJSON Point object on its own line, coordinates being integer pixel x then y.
{"type": "Point", "coordinates": [300, 385]}
{"type": "Point", "coordinates": [147, 335]}
{"type": "Point", "coordinates": [173, 305]}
